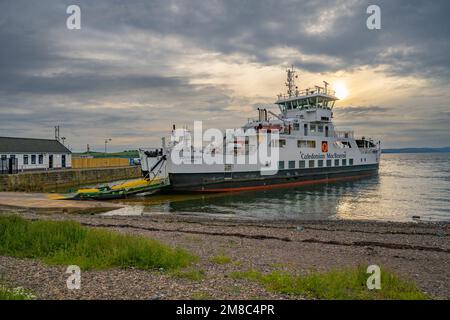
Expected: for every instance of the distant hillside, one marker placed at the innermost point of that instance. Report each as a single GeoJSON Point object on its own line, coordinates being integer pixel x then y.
{"type": "Point", "coordinates": [416, 150]}
{"type": "Point", "coordinates": [123, 154]}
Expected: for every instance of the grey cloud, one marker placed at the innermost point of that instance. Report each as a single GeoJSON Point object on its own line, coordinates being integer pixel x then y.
{"type": "Point", "coordinates": [43, 83]}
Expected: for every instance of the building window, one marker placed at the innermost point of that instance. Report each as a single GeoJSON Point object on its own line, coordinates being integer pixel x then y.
{"type": "Point", "coordinates": [280, 165]}
{"type": "Point", "coordinates": [33, 159]}
{"type": "Point", "coordinates": [41, 159]}
{"type": "Point", "coordinates": [344, 162]}
{"type": "Point", "coordinates": [291, 164]}
{"type": "Point", "coordinates": [350, 162]}
{"type": "Point", "coordinates": [320, 163]}
{"type": "Point", "coordinates": [311, 164]}
{"type": "Point", "coordinates": [328, 163]}
{"type": "Point", "coordinates": [336, 162]}
{"type": "Point", "coordinates": [301, 164]}
{"type": "Point", "coordinates": [25, 159]}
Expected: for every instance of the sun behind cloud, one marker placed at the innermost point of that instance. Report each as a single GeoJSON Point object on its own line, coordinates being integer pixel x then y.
{"type": "Point", "coordinates": [341, 90]}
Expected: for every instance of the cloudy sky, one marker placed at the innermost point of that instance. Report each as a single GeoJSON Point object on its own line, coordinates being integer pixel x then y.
{"type": "Point", "coordinates": [138, 66]}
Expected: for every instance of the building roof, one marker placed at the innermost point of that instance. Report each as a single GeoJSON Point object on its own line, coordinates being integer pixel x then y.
{"type": "Point", "coordinates": [24, 145]}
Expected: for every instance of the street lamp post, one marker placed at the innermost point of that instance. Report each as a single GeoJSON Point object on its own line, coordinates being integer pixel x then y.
{"type": "Point", "coordinates": [106, 143]}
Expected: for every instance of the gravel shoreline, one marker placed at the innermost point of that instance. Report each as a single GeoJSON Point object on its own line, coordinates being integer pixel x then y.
{"type": "Point", "coordinates": [416, 251]}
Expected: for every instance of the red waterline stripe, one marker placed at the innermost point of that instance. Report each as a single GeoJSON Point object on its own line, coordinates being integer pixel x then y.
{"type": "Point", "coordinates": [288, 184]}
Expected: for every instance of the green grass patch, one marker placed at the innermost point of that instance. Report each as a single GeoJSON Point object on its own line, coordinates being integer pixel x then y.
{"type": "Point", "coordinates": [18, 293]}
{"type": "Point", "coordinates": [190, 274]}
{"type": "Point", "coordinates": [220, 259]}
{"type": "Point", "coordinates": [345, 284]}
{"type": "Point", "coordinates": [201, 296]}
{"type": "Point", "coordinates": [68, 243]}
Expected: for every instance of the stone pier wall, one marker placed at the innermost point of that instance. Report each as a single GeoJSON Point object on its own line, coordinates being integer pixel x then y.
{"type": "Point", "coordinates": [63, 180]}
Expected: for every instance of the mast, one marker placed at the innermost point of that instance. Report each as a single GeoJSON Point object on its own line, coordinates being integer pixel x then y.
{"type": "Point", "coordinates": [290, 82]}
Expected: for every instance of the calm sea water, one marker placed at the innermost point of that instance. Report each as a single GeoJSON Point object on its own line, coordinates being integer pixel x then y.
{"type": "Point", "coordinates": [407, 185]}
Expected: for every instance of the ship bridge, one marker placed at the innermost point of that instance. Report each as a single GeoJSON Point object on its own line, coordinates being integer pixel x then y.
{"type": "Point", "coordinates": [312, 104]}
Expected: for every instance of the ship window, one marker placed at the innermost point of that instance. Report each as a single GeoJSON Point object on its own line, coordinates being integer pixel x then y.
{"type": "Point", "coordinates": [33, 159]}
{"type": "Point", "coordinates": [350, 162]}
{"type": "Point", "coordinates": [312, 128]}
{"type": "Point", "coordinates": [41, 159]}
{"type": "Point", "coordinates": [305, 129]}
{"type": "Point", "coordinates": [280, 165]}
{"type": "Point", "coordinates": [306, 143]}
{"type": "Point", "coordinates": [25, 159]}
{"type": "Point", "coordinates": [336, 162]}
{"type": "Point", "coordinates": [282, 143]}
{"type": "Point", "coordinates": [320, 163]}
{"type": "Point", "coordinates": [311, 164]}
{"type": "Point", "coordinates": [320, 128]}
{"type": "Point", "coordinates": [296, 126]}
{"type": "Point", "coordinates": [344, 162]}
{"type": "Point", "coordinates": [328, 163]}
{"type": "Point", "coordinates": [291, 164]}
{"type": "Point", "coordinates": [301, 164]}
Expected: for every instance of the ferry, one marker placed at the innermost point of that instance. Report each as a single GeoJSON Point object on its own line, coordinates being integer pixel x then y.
{"type": "Point", "coordinates": [311, 149]}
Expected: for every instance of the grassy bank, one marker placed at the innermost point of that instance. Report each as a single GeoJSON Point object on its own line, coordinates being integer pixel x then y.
{"type": "Point", "coordinates": [68, 243]}
{"type": "Point", "coordinates": [18, 293]}
{"type": "Point", "coordinates": [342, 284]}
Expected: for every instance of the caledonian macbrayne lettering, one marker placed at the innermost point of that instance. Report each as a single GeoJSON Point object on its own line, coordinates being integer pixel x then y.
{"type": "Point", "coordinates": [329, 155]}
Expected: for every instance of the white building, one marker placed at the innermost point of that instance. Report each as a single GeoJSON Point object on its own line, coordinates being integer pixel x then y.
{"type": "Point", "coordinates": [33, 154]}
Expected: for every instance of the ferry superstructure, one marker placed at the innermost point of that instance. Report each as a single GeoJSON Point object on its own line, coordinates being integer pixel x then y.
{"type": "Point", "coordinates": [311, 150]}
